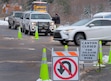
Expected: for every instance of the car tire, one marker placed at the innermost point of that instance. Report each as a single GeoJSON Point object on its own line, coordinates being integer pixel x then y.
{"type": "Point", "coordinates": [25, 31]}
{"type": "Point", "coordinates": [63, 42]}
{"type": "Point", "coordinates": [16, 27]}
{"type": "Point", "coordinates": [13, 25]}
{"type": "Point", "coordinates": [78, 37]}
{"type": "Point", "coordinates": [23, 28]}
{"type": "Point", "coordinates": [30, 33]}
{"type": "Point", "coordinates": [9, 27]}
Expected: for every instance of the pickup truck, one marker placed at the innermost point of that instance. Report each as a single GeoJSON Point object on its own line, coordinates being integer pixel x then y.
{"type": "Point", "coordinates": [14, 19]}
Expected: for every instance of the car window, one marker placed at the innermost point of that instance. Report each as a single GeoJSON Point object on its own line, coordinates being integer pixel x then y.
{"type": "Point", "coordinates": [101, 23]}
{"type": "Point", "coordinates": [18, 15]}
{"type": "Point", "coordinates": [81, 22]}
{"type": "Point", "coordinates": [96, 23]}
{"type": "Point", "coordinates": [40, 16]}
{"type": "Point", "coordinates": [108, 16]}
{"type": "Point", "coordinates": [106, 23]}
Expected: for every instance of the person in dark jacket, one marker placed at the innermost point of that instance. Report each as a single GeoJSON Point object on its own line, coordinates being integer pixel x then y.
{"type": "Point", "coordinates": [56, 20]}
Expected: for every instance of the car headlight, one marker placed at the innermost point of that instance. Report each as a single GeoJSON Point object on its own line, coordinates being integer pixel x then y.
{"type": "Point", "coordinates": [34, 23]}
{"type": "Point", "coordinates": [67, 31]}
{"type": "Point", "coordinates": [51, 23]}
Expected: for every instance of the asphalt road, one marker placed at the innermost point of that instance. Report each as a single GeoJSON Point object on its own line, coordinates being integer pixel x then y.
{"type": "Point", "coordinates": [20, 59]}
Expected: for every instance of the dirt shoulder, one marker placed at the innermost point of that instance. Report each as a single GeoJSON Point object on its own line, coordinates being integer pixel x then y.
{"type": "Point", "coordinates": [94, 74]}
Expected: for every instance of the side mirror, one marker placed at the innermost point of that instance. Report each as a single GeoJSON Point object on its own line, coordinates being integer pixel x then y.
{"type": "Point", "coordinates": [91, 25]}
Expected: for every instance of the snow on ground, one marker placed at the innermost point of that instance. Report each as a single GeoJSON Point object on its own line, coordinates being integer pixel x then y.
{"type": "Point", "coordinates": [2, 22]}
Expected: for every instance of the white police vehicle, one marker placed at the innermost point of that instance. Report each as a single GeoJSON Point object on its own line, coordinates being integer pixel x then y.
{"type": "Point", "coordinates": [41, 20]}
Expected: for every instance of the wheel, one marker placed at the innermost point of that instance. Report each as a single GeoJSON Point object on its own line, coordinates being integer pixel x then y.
{"type": "Point", "coordinates": [30, 33]}
{"type": "Point", "coordinates": [23, 28]}
{"type": "Point", "coordinates": [25, 31]}
{"type": "Point", "coordinates": [15, 27]}
{"type": "Point", "coordinates": [9, 27]}
{"type": "Point", "coordinates": [63, 42]}
{"type": "Point", "coordinates": [78, 37]}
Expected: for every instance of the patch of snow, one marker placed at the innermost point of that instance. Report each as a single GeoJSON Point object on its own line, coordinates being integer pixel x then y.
{"type": "Point", "coordinates": [2, 22]}
{"type": "Point", "coordinates": [105, 59]}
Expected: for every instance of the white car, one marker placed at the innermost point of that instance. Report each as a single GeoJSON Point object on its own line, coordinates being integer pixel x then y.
{"type": "Point", "coordinates": [102, 15]}
{"type": "Point", "coordinates": [40, 20]}
{"type": "Point", "coordinates": [86, 29]}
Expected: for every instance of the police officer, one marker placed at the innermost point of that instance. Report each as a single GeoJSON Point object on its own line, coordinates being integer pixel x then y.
{"type": "Point", "coordinates": [56, 20]}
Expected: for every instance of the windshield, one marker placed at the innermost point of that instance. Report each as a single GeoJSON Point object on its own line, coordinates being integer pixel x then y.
{"type": "Point", "coordinates": [40, 16]}
{"type": "Point", "coordinates": [18, 15]}
{"type": "Point", "coordinates": [81, 22]}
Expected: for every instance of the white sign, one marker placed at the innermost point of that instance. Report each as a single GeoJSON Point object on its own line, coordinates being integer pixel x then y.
{"type": "Point", "coordinates": [65, 66]}
{"type": "Point", "coordinates": [89, 50]}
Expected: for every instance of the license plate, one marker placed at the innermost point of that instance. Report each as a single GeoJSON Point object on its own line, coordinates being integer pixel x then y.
{"type": "Point", "coordinates": [43, 30]}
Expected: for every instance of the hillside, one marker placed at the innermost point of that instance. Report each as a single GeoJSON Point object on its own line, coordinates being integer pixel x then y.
{"type": "Point", "coordinates": [71, 10]}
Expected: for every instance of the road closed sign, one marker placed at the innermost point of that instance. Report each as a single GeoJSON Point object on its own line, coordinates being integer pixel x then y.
{"type": "Point", "coordinates": [88, 50]}
{"type": "Point", "coordinates": [65, 68]}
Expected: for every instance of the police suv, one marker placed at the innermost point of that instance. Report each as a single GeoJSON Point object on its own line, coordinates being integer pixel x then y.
{"type": "Point", "coordinates": [41, 21]}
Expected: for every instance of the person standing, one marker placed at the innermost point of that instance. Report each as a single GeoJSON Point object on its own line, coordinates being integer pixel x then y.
{"type": "Point", "coordinates": [56, 20]}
